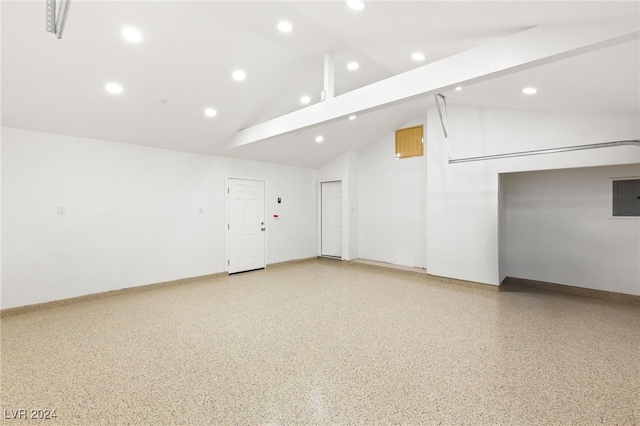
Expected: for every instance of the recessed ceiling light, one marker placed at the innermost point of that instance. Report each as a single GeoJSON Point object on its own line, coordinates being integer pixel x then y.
{"type": "Point", "coordinates": [417, 56]}
{"type": "Point", "coordinates": [132, 35]}
{"type": "Point", "coordinates": [239, 75]}
{"type": "Point", "coordinates": [529, 90]}
{"type": "Point", "coordinates": [319, 139]}
{"type": "Point", "coordinates": [305, 100]}
{"type": "Point", "coordinates": [114, 88]}
{"type": "Point", "coordinates": [353, 66]}
{"type": "Point", "coordinates": [355, 4]}
{"type": "Point", "coordinates": [285, 26]}
{"type": "Point", "coordinates": [352, 117]}
{"type": "Point", "coordinates": [459, 88]}
{"type": "Point", "coordinates": [210, 112]}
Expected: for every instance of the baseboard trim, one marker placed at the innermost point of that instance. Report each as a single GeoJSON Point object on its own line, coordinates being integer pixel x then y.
{"type": "Point", "coordinates": [361, 263]}
{"type": "Point", "coordinates": [289, 262]}
{"type": "Point", "coordinates": [111, 293]}
{"type": "Point", "coordinates": [465, 283]}
{"type": "Point", "coordinates": [375, 264]}
{"type": "Point", "coordinates": [568, 289]}
{"type": "Point", "coordinates": [145, 287]}
{"type": "Point", "coordinates": [419, 272]}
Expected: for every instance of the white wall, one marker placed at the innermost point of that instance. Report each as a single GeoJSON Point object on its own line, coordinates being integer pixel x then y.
{"type": "Point", "coordinates": [502, 227]}
{"type": "Point", "coordinates": [345, 169]}
{"type": "Point", "coordinates": [132, 212]}
{"type": "Point", "coordinates": [463, 204]}
{"type": "Point", "coordinates": [393, 204]}
{"type": "Point", "coordinates": [560, 229]}
{"type": "Point", "coordinates": [131, 215]}
{"type": "Point", "coordinates": [353, 167]}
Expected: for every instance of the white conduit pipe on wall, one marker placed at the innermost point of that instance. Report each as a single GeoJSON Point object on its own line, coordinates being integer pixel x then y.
{"type": "Point", "coordinates": [442, 112]}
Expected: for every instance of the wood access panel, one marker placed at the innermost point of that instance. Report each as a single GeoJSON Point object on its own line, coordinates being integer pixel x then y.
{"type": "Point", "coordinates": [409, 142]}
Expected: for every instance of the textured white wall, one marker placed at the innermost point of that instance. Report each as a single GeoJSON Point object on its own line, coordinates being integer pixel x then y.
{"type": "Point", "coordinates": [463, 199]}
{"type": "Point", "coordinates": [353, 167]}
{"type": "Point", "coordinates": [392, 204]}
{"type": "Point", "coordinates": [131, 215]}
{"type": "Point", "coordinates": [132, 212]}
{"type": "Point", "coordinates": [560, 229]}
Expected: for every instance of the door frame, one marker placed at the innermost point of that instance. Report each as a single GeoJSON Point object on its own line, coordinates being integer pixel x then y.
{"type": "Point", "coordinates": [227, 178]}
{"type": "Point", "coordinates": [343, 212]}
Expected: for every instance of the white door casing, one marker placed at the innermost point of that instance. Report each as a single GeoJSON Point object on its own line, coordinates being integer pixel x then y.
{"type": "Point", "coordinates": [246, 228]}
{"type": "Point", "coordinates": [331, 219]}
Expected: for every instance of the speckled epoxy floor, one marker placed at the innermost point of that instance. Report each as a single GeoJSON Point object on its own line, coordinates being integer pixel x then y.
{"type": "Point", "coordinates": [326, 342]}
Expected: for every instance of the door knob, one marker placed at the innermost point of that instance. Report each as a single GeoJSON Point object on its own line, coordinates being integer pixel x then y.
{"type": "Point", "coordinates": [262, 229]}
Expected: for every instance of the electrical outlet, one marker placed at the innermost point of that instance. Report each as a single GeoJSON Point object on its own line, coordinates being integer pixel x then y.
{"type": "Point", "coordinates": [200, 210]}
{"type": "Point", "coordinates": [61, 210]}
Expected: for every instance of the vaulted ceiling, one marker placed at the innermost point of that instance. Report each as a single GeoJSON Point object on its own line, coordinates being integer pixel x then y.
{"type": "Point", "coordinates": [189, 50]}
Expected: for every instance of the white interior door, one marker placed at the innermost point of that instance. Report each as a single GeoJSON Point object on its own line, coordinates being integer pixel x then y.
{"type": "Point", "coordinates": [246, 229]}
{"type": "Point", "coordinates": [331, 219]}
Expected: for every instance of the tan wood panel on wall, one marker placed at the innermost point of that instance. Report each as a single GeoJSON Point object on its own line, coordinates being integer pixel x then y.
{"type": "Point", "coordinates": [409, 142]}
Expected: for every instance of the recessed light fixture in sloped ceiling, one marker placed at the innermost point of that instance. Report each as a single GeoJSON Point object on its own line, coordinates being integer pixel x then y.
{"type": "Point", "coordinates": [113, 88]}
{"type": "Point", "coordinates": [132, 35]}
{"type": "Point", "coordinates": [285, 27]}
{"type": "Point", "coordinates": [239, 75]}
{"type": "Point", "coordinates": [355, 4]}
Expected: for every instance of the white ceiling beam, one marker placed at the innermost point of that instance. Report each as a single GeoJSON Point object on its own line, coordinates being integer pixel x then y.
{"type": "Point", "coordinates": [329, 77]}
{"type": "Point", "coordinates": [520, 51]}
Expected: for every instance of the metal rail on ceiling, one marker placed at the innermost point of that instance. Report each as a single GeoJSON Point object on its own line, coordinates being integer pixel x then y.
{"type": "Point", "coordinates": [56, 18]}
{"type": "Point", "coordinates": [634, 142]}
{"type": "Point", "coordinates": [441, 103]}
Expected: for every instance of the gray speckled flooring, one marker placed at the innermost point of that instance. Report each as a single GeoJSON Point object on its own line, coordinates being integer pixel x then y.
{"type": "Point", "coordinates": [326, 342]}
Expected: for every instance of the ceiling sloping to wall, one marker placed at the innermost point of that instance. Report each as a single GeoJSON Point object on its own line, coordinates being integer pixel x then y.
{"type": "Point", "coordinates": [189, 50]}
